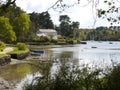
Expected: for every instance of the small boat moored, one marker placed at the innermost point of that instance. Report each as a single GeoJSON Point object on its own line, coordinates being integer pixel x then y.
{"type": "Point", "coordinates": [36, 52]}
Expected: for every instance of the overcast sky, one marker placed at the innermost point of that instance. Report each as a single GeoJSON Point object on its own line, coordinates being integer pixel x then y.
{"type": "Point", "coordinates": [84, 15]}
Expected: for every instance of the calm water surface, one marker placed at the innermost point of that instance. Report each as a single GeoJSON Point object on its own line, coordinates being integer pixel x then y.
{"type": "Point", "coordinates": [92, 53]}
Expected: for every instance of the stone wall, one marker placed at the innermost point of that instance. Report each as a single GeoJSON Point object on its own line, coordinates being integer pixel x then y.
{"type": "Point", "coordinates": [20, 56]}
{"type": "Point", "coordinates": [5, 60]}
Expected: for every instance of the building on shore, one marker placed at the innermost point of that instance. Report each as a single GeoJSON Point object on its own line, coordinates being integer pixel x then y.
{"type": "Point", "coordinates": [51, 33]}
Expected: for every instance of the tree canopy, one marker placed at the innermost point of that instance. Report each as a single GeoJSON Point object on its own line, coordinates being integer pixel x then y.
{"type": "Point", "coordinates": [6, 31]}
{"type": "Point", "coordinates": [42, 20]}
{"type": "Point", "coordinates": [67, 27]}
{"type": "Point", "coordinates": [21, 25]}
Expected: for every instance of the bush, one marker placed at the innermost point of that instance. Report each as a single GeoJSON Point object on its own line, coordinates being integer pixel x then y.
{"type": "Point", "coordinates": [53, 41]}
{"type": "Point", "coordinates": [21, 46]}
{"type": "Point", "coordinates": [66, 78]}
{"type": "Point", "coordinates": [112, 79]}
{"type": "Point", "coordinates": [2, 44]}
{"type": "Point", "coordinates": [70, 77]}
{"type": "Point", "coordinates": [42, 39]}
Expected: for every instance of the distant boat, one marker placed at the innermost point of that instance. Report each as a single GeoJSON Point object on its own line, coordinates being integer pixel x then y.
{"type": "Point", "coordinates": [83, 42]}
{"type": "Point", "coordinates": [36, 52]}
{"type": "Point", "coordinates": [93, 47]}
{"type": "Point", "coordinates": [110, 43]}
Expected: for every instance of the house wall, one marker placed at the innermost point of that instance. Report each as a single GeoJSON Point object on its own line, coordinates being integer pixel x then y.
{"type": "Point", "coordinates": [49, 33]}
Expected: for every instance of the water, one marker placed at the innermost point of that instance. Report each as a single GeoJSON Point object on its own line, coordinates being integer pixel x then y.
{"type": "Point", "coordinates": [93, 53]}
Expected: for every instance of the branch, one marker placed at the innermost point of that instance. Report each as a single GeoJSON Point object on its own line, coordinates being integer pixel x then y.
{"type": "Point", "coordinates": [54, 4]}
{"type": "Point", "coordinates": [9, 3]}
{"type": "Point", "coordinates": [61, 6]}
{"type": "Point", "coordinates": [5, 6]}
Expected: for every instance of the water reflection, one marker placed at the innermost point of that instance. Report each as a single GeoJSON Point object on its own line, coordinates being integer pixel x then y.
{"type": "Point", "coordinates": [15, 72]}
{"type": "Point", "coordinates": [101, 56]}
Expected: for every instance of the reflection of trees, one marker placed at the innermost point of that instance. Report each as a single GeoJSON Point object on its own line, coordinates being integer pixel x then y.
{"type": "Point", "coordinates": [66, 55]}
{"type": "Point", "coordinates": [43, 67]}
{"type": "Point", "coordinates": [15, 72]}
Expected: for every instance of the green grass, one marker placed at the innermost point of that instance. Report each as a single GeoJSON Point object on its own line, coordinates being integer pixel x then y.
{"type": "Point", "coordinates": [1, 49]}
{"type": "Point", "coordinates": [2, 55]}
{"type": "Point", "coordinates": [17, 51]}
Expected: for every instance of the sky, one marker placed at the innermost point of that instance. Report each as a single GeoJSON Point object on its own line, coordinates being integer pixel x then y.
{"type": "Point", "coordinates": [84, 15]}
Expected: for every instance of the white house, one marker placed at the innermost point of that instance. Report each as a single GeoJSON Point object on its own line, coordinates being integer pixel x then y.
{"type": "Point", "coordinates": [47, 32]}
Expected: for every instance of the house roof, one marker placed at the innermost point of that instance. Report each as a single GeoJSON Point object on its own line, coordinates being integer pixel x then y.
{"type": "Point", "coordinates": [47, 30]}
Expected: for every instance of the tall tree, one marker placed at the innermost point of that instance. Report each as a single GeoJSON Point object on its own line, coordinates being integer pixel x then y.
{"type": "Point", "coordinates": [65, 25]}
{"type": "Point", "coordinates": [42, 20]}
{"type": "Point", "coordinates": [21, 26]}
{"type": "Point", "coordinates": [6, 31]}
{"type": "Point", "coordinates": [64, 18]}
{"type": "Point", "coordinates": [75, 27]}
{"type": "Point", "coordinates": [45, 20]}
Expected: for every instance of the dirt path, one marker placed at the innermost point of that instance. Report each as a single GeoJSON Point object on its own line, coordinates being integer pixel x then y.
{"type": "Point", "coordinates": [6, 50]}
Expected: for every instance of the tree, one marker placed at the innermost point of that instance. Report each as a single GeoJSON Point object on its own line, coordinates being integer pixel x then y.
{"type": "Point", "coordinates": [64, 18]}
{"type": "Point", "coordinates": [6, 31]}
{"type": "Point", "coordinates": [39, 20]}
{"type": "Point", "coordinates": [75, 27]}
{"type": "Point", "coordinates": [45, 20]}
{"type": "Point", "coordinates": [65, 27]}
{"type": "Point", "coordinates": [21, 26]}
{"type": "Point", "coordinates": [42, 20]}
{"type": "Point", "coordinates": [4, 6]}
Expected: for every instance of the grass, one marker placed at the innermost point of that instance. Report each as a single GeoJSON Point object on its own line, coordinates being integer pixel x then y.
{"type": "Point", "coordinates": [2, 55]}
{"type": "Point", "coordinates": [17, 51]}
{"type": "Point", "coordinates": [1, 49]}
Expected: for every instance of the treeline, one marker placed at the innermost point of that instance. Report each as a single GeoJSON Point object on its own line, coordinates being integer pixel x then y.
{"type": "Point", "coordinates": [17, 25]}
{"type": "Point", "coordinates": [99, 35]}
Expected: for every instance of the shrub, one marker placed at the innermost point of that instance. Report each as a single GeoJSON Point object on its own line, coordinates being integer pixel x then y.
{"type": "Point", "coordinates": [21, 46]}
{"type": "Point", "coordinates": [2, 44]}
{"type": "Point", "coordinates": [112, 78]}
{"type": "Point", "coordinates": [53, 41]}
{"type": "Point", "coordinates": [70, 77]}
{"type": "Point", "coordinates": [67, 77]}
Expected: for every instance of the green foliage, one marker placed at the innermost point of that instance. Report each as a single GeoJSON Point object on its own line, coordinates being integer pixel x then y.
{"type": "Point", "coordinates": [112, 78]}
{"type": "Point", "coordinates": [66, 78]}
{"type": "Point", "coordinates": [110, 12]}
{"type": "Point", "coordinates": [2, 45]}
{"type": "Point", "coordinates": [21, 46]}
{"type": "Point", "coordinates": [100, 34]}
{"type": "Point", "coordinates": [54, 41]}
{"type": "Point", "coordinates": [42, 39]}
{"type": "Point", "coordinates": [67, 28]}
{"type": "Point", "coordinates": [70, 77]}
{"type": "Point", "coordinates": [21, 25]}
{"type": "Point", "coordinates": [6, 32]}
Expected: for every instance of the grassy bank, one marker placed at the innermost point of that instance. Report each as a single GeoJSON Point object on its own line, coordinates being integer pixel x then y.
{"type": "Point", "coordinates": [17, 51]}
{"type": "Point", "coordinates": [2, 55]}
